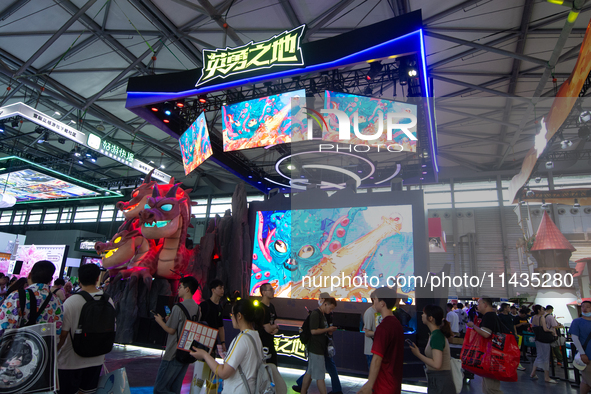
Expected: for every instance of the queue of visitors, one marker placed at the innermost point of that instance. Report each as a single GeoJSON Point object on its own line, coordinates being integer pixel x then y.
{"type": "Point", "coordinates": [254, 345]}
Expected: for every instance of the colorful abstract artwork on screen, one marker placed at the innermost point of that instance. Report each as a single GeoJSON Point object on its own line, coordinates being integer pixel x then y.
{"type": "Point", "coordinates": [374, 243]}
{"type": "Point", "coordinates": [369, 112]}
{"type": "Point", "coordinates": [259, 122]}
{"type": "Point", "coordinates": [195, 144]}
{"type": "Point", "coordinates": [27, 185]}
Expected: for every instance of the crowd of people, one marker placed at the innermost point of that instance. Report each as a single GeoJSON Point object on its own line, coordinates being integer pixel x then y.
{"type": "Point", "coordinates": [257, 322]}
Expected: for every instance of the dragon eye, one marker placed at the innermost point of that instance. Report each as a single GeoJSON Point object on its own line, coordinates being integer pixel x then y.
{"type": "Point", "coordinates": [280, 246]}
{"type": "Point", "coordinates": [147, 206]}
{"type": "Point", "coordinates": [134, 194]}
{"type": "Point", "coordinates": [166, 207]}
{"type": "Point", "coordinates": [306, 251]}
{"type": "Point", "coordinates": [117, 240]}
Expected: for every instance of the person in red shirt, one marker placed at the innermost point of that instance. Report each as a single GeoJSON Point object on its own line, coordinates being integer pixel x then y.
{"type": "Point", "coordinates": [385, 372]}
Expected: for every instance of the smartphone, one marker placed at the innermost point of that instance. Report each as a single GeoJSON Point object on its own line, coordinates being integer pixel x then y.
{"type": "Point", "coordinates": [167, 310]}
{"type": "Point", "coordinates": [408, 341]}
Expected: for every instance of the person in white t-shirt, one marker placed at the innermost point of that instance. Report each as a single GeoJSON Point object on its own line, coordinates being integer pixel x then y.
{"type": "Point", "coordinates": [453, 319]}
{"type": "Point", "coordinates": [241, 352]}
{"type": "Point", "coordinates": [370, 324]}
{"type": "Point", "coordinates": [78, 374]}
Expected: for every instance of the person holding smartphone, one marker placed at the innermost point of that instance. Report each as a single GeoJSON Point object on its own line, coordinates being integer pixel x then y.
{"type": "Point", "coordinates": [437, 355]}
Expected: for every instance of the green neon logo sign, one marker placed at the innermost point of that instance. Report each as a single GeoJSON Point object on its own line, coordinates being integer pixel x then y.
{"type": "Point", "coordinates": [280, 50]}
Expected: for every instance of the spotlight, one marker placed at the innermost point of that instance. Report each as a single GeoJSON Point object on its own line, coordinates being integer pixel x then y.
{"type": "Point", "coordinates": [180, 103]}
{"type": "Point", "coordinates": [81, 161]}
{"type": "Point", "coordinates": [39, 130]}
{"type": "Point", "coordinates": [101, 126]}
{"type": "Point", "coordinates": [576, 204]}
{"type": "Point", "coordinates": [167, 112]}
{"type": "Point", "coordinates": [368, 91]}
{"type": "Point", "coordinates": [530, 193]}
{"type": "Point", "coordinates": [290, 167]}
{"type": "Point", "coordinates": [374, 69]}
{"type": "Point", "coordinates": [585, 117]}
{"type": "Point", "coordinates": [538, 179]}
{"type": "Point", "coordinates": [61, 140]}
{"type": "Point", "coordinates": [43, 138]}
{"type": "Point", "coordinates": [2, 126]}
{"type": "Point", "coordinates": [407, 69]}
{"type": "Point", "coordinates": [56, 113]}
{"type": "Point", "coordinates": [412, 72]}
{"type": "Point", "coordinates": [88, 153]}
{"type": "Point", "coordinates": [154, 109]}
{"type": "Point", "coordinates": [75, 152]}
{"type": "Point", "coordinates": [14, 122]}
{"type": "Point", "coordinates": [167, 108]}
{"type": "Point", "coordinates": [162, 166]}
{"type": "Point", "coordinates": [166, 121]}
{"type": "Point", "coordinates": [584, 132]}
{"type": "Point", "coordinates": [549, 165]}
{"type": "Point", "coordinates": [202, 98]}
{"type": "Point", "coordinates": [93, 159]}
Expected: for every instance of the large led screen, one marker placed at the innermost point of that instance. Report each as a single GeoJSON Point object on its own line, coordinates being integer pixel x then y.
{"type": "Point", "coordinates": [356, 249]}
{"type": "Point", "coordinates": [368, 115]}
{"type": "Point", "coordinates": [195, 144]}
{"type": "Point", "coordinates": [259, 122]}
{"type": "Point", "coordinates": [28, 185]}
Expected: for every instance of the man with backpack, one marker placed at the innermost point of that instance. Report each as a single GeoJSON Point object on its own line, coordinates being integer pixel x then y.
{"type": "Point", "coordinates": [268, 330]}
{"type": "Point", "coordinates": [87, 335]}
{"type": "Point", "coordinates": [317, 346]}
{"type": "Point", "coordinates": [16, 311]}
{"type": "Point", "coordinates": [172, 371]}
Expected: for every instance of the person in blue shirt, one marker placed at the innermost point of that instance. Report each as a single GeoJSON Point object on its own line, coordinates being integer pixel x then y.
{"type": "Point", "coordinates": [580, 331]}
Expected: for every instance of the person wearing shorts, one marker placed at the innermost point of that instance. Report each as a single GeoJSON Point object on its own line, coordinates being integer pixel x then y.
{"type": "Point", "coordinates": [317, 346]}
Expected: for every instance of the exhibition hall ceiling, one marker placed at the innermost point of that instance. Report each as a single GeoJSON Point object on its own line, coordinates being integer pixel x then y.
{"type": "Point", "coordinates": [71, 59]}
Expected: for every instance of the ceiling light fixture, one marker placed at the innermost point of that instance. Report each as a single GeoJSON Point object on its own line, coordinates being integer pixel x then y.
{"type": "Point", "coordinates": [44, 137]}
{"type": "Point", "coordinates": [101, 126]}
{"type": "Point", "coordinates": [374, 69]}
{"type": "Point", "coordinates": [202, 98]}
{"type": "Point", "coordinates": [576, 204]}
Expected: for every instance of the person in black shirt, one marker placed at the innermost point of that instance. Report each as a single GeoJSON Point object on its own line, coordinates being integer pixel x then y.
{"type": "Point", "coordinates": [211, 310]}
{"type": "Point", "coordinates": [490, 323]}
{"type": "Point", "coordinates": [269, 329]}
{"type": "Point", "coordinates": [506, 318]}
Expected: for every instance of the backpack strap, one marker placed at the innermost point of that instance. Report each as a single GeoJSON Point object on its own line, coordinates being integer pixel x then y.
{"type": "Point", "coordinates": [240, 368]}
{"type": "Point", "coordinates": [33, 313]}
{"type": "Point", "coordinates": [86, 295]}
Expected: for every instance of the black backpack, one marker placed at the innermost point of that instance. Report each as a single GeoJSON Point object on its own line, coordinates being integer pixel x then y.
{"type": "Point", "coordinates": [95, 334]}
{"type": "Point", "coordinates": [182, 356]}
{"type": "Point", "coordinates": [305, 332]}
{"type": "Point", "coordinates": [33, 313]}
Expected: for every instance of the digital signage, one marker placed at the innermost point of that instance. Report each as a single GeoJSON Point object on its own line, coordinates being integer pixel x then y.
{"type": "Point", "coordinates": [370, 121]}
{"type": "Point", "coordinates": [195, 144]}
{"type": "Point", "coordinates": [259, 122]}
{"type": "Point", "coordinates": [346, 252]}
{"type": "Point", "coordinates": [28, 185]}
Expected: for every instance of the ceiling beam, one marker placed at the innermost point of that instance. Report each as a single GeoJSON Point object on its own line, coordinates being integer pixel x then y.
{"type": "Point", "coordinates": [69, 53]}
{"type": "Point", "coordinates": [290, 13]}
{"type": "Point", "coordinates": [96, 29]}
{"type": "Point", "coordinates": [325, 17]}
{"type": "Point", "coordinates": [223, 7]}
{"type": "Point", "coordinates": [525, 19]}
{"type": "Point", "coordinates": [488, 48]}
{"type": "Point", "coordinates": [459, 161]}
{"type": "Point", "coordinates": [217, 18]}
{"type": "Point", "coordinates": [554, 58]}
{"type": "Point", "coordinates": [479, 30]}
{"type": "Point", "coordinates": [476, 87]}
{"type": "Point", "coordinates": [54, 38]}
{"type": "Point", "coordinates": [11, 9]}
{"type": "Point", "coordinates": [153, 14]}
{"type": "Point", "coordinates": [480, 117]}
{"type": "Point", "coordinates": [449, 11]}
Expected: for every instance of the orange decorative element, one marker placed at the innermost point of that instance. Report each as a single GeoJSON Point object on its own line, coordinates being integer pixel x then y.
{"type": "Point", "coordinates": [549, 237]}
{"type": "Point", "coordinates": [561, 107]}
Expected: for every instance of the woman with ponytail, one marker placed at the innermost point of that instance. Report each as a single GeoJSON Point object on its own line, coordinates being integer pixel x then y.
{"type": "Point", "coordinates": [241, 353]}
{"type": "Point", "coordinates": [437, 356]}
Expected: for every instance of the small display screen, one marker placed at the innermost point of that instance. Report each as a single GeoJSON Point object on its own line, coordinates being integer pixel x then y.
{"type": "Point", "coordinates": [195, 144]}
{"type": "Point", "coordinates": [27, 185]}
{"type": "Point", "coordinates": [259, 122]}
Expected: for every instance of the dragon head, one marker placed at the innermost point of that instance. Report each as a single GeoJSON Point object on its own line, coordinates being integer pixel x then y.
{"type": "Point", "coordinates": [121, 248]}
{"type": "Point", "coordinates": [139, 196]}
{"type": "Point", "coordinates": [162, 216]}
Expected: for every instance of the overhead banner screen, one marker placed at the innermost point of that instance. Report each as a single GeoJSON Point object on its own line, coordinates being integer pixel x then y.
{"type": "Point", "coordinates": [260, 122]}
{"type": "Point", "coordinates": [195, 144]}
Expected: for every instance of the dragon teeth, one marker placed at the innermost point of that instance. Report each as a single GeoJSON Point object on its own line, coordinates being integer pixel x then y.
{"type": "Point", "coordinates": [162, 223]}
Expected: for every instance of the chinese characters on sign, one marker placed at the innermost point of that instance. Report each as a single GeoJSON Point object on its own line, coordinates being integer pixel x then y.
{"type": "Point", "coordinates": [58, 127]}
{"type": "Point", "coordinates": [281, 50]}
{"type": "Point", "coordinates": [290, 346]}
{"type": "Point", "coordinates": [116, 152]}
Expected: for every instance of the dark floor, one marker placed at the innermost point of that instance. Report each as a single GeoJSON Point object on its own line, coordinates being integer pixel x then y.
{"type": "Point", "coordinates": [142, 364]}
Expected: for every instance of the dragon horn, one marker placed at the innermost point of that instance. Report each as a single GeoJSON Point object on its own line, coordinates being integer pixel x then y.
{"type": "Point", "coordinates": [172, 191]}
{"type": "Point", "coordinates": [171, 181]}
{"type": "Point", "coordinates": [156, 192]}
{"type": "Point", "coordinates": [148, 178]}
